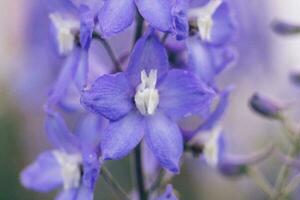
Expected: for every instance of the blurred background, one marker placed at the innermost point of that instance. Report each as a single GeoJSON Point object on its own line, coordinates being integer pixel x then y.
{"type": "Point", "coordinates": [27, 70]}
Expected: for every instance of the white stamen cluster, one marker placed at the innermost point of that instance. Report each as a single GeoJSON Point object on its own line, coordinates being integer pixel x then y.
{"type": "Point", "coordinates": [211, 147]}
{"type": "Point", "coordinates": [65, 32]}
{"type": "Point", "coordinates": [146, 97]}
{"type": "Point", "coordinates": [204, 19]}
{"type": "Point", "coordinates": [70, 168]}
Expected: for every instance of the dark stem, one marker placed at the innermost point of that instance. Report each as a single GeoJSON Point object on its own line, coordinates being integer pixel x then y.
{"type": "Point", "coordinates": [109, 51]}
{"type": "Point", "coordinates": [139, 176]}
{"type": "Point", "coordinates": [113, 184]}
{"type": "Point", "coordinates": [139, 27]}
{"type": "Point", "coordinates": [164, 38]}
{"type": "Point", "coordinates": [139, 173]}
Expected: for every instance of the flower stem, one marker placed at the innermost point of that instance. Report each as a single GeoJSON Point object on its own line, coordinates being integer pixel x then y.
{"type": "Point", "coordinates": [139, 173]}
{"type": "Point", "coordinates": [139, 27]}
{"type": "Point", "coordinates": [158, 181]}
{"type": "Point", "coordinates": [110, 51]}
{"type": "Point", "coordinates": [259, 180]}
{"type": "Point", "coordinates": [284, 172]}
{"type": "Point", "coordinates": [114, 184]}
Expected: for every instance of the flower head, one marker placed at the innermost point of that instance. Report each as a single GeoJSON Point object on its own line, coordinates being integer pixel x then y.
{"type": "Point", "coordinates": [69, 165]}
{"type": "Point", "coordinates": [144, 102]}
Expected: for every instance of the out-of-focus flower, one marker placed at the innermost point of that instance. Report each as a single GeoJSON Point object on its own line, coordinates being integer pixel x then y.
{"type": "Point", "coordinates": [214, 153]}
{"type": "Point", "coordinates": [213, 21]}
{"type": "Point", "coordinates": [284, 28]}
{"type": "Point", "coordinates": [147, 100]}
{"type": "Point", "coordinates": [73, 28]}
{"type": "Point", "coordinates": [73, 164]}
{"type": "Point", "coordinates": [208, 61]}
{"type": "Point", "coordinates": [266, 106]}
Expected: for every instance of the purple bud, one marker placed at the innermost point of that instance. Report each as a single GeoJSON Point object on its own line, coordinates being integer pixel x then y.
{"type": "Point", "coordinates": [284, 28]}
{"type": "Point", "coordinates": [265, 106]}
{"type": "Point", "coordinates": [295, 77]}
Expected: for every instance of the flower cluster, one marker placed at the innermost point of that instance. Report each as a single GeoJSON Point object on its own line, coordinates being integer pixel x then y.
{"type": "Point", "coordinates": [145, 102]}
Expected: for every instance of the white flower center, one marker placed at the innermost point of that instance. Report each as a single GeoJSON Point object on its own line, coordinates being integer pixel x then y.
{"type": "Point", "coordinates": [204, 18]}
{"type": "Point", "coordinates": [211, 147]}
{"type": "Point", "coordinates": [65, 29]}
{"type": "Point", "coordinates": [70, 168]}
{"type": "Point", "coordinates": [146, 97]}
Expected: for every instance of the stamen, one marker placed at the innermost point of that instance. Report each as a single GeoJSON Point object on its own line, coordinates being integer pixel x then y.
{"type": "Point", "coordinates": [147, 97]}
{"type": "Point", "coordinates": [65, 32]}
{"type": "Point", "coordinates": [204, 19]}
{"type": "Point", "coordinates": [211, 147]}
{"type": "Point", "coordinates": [70, 168]}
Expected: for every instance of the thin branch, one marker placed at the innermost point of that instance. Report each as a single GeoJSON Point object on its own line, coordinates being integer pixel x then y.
{"type": "Point", "coordinates": [109, 179]}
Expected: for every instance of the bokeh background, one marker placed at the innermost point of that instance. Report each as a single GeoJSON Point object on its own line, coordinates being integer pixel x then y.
{"type": "Point", "coordinates": [27, 70]}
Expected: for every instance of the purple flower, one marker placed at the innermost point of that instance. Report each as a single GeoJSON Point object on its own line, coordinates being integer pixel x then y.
{"type": "Point", "coordinates": [145, 102]}
{"type": "Point", "coordinates": [266, 106]}
{"type": "Point", "coordinates": [208, 61]}
{"type": "Point", "coordinates": [73, 165]}
{"type": "Point", "coordinates": [214, 154]}
{"type": "Point", "coordinates": [166, 16]}
{"type": "Point", "coordinates": [213, 21]}
{"type": "Point", "coordinates": [73, 25]}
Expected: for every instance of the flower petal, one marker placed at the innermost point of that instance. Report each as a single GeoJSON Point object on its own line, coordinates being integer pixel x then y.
{"type": "Point", "coordinates": [42, 175]}
{"type": "Point", "coordinates": [180, 19]}
{"type": "Point", "coordinates": [157, 13]}
{"type": "Point", "coordinates": [148, 54]}
{"type": "Point", "coordinates": [81, 75]}
{"type": "Point", "coordinates": [89, 130]}
{"type": "Point", "coordinates": [85, 193]}
{"type": "Point", "coordinates": [65, 77]}
{"type": "Point", "coordinates": [223, 26]}
{"type": "Point", "coordinates": [59, 134]}
{"type": "Point", "coordinates": [165, 140]}
{"type": "Point", "coordinates": [86, 26]}
{"type": "Point", "coordinates": [67, 195]}
{"type": "Point", "coordinates": [169, 194]}
{"type": "Point", "coordinates": [122, 136]}
{"type": "Point", "coordinates": [110, 96]}
{"type": "Point", "coordinates": [208, 61]}
{"type": "Point", "coordinates": [181, 93]}
{"type": "Point", "coordinates": [115, 16]}
{"type": "Point", "coordinates": [219, 111]}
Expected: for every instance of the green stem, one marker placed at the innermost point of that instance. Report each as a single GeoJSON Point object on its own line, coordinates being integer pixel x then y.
{"type": "Point", "coordinates": [158, 181]}
{"type": "Point", "coordinates": [109, 51]}
{"type": "Point", "coordinates": [139, 173]}
{"type": "Point", "coordinates": [114, 184]}
{"type": "Point", "coordinates": [284, 172]}
{"type": "Point", "coordinates": [259, 180]}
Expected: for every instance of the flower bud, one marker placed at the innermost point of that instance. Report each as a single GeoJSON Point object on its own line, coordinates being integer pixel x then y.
{"type": "Point", "coordinates": [265, 106]}
{"type": "Point", "coordinates": [284, 28]}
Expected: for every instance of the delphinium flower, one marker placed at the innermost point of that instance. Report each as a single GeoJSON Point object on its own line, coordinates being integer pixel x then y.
{"type": "Point", "coordinates": [167, 16]}
{"type": "Point", "coordinates": [72, 165]}
{"type": "Point", "coordinates": [144, 102]}
{"type": "Point", "coordinates": [73, 25]}
{"type": "Point", "coordinates": [214, 153]}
